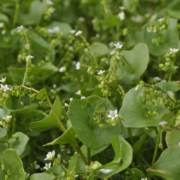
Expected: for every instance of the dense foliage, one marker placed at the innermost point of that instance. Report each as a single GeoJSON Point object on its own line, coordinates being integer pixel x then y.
{"type": "Point", "coordinates": [89, 89]}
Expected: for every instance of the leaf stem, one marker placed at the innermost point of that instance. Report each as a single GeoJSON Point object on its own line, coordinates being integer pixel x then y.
{"type": "Point", "coordinates": [76, 146]}
{"type": "Point", "coordinates": [156, 148]}
{"type": "Point", "coordinates": [89, 155]}
{"type": "Point", "coordinates": [54, 112]}
{"type": "Point", "coordinates": [16, 13]}
{"type": "Point", "coordinates": [130, 134]}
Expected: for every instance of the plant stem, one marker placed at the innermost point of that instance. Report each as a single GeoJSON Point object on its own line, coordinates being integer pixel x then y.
{"type": "Point", "coordinates": [171, 71]}
{"type": "Point", "coordinates": [54, 112]}
{"type": "Point", "coordinates": [130, 134]}
{"type": "Point", "coordinates": [89, 155]}
{"type": "Point", "coordinates": [25, 74]}
{"type": "Point", "coordinates": [16, 13]}
{"type": "Point", "coordinates": [156, 148]}
{"type": "Point", "coordinates": [63, 168]}
{"type": "Point", "coordinates": [76, 146]}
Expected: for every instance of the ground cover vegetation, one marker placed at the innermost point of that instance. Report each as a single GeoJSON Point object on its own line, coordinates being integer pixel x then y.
{"type": "Point", "coordinates": [89, 89]}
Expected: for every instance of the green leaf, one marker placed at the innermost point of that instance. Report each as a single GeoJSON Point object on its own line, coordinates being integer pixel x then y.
{"type": "Point", "coordinates": [56, 170]}
{"type": "Point", "coordinates": [167, 166]}
{"type": "Point", "coordinates": [32, 17]}
{"type": "Point", "coordinates": [20, 143]}
{"type": "Point", "coordinates": [3, 132]}
{"type": "Point", "coordinates": [134, 112]}
{"type": "Point", "coordinates": [3, 147]}
{"type": "Point", "coordinates": [138, 145]}
{"type": "Point", "coordinates": [123, 158]}
{"type": "Point", "coordinates": [81, 113]}
{"type": "Point", "coordinates": [42, 93]}
{"type": "Point", "coordinates": [3, 113]}
{"type": "Point", "coordinates": [50, 121]}
{"type": "Point", "coordinates": [42, 176]}
{"type": "Point", "coordinates": [67, 138]}
{"type": "Point", "coordinates": [135, 63]}
{"type": "Point", "coordinates": [13, 163]}
{"type": "Point", "coordinates": [171, 39]}
{"type": "Point", "coordinates": [172, 137]}
{"type": "Point", "coordinates": [136, 174]}
{"type": "Point", "coordinates": [4, 18]}
{"type": "Point", "coordinates": [169, 86]}
{"type": "Point", "coordinates": [99, 49]}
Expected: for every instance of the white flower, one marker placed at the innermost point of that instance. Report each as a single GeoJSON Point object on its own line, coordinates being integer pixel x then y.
{"type": "Point", "coordinates": [7, 117]}
{"type": "Point", "coordinates": [62, 69]}
{"type": "Point", "coordinates": [5, 87]}
{"type": "Point", "coordinates": [136, 18]}
{"type": "Point", "coordinates": [83, 97]}
{"type": "Point", "coordinates": [101, 72]}
{"type": "Point", "coordinates": [106, 171]}
{"type": "Point", "coordinates": [122, 7]}
{"type": "Point", "coordinates": [3, 80]}
{"type": "Point", "coordinates": [1, 25]}
{"type": "Point", "coordinates": [54, 85]}
{"type": "Point", "coordinates": [36, 166]}
{"type": "Point", "coordinates": [143, 178]}
{"type": "Point", "coordinates": [20, 28]}
{"type": "Point", "coordinates": [161, 19]}
{"type": "Point", "coordinates": [174, 50]}
{"type": "Point", "coordinates": [47, 166]}
{"type": "Point", "coordinates": [54, 30]}
{"type": "Point", "coordinates": [78, 65]}
{"type": "Point", "coordinates": [50, 155]}
{"type": "Point", "coordinates": [66, 105]}
{"type": "Point", "coordinates": [154, 30]}
{"type": "Point", "coordinates": [29, 57]}
{"type": "Point", "coordinates": [71, 99]}
{"type": "Point", "coordinates": [136, 88]}
{"type": "Point", "coordinates": [163, 123]}
{"type": "Point", "coordinates": [112, 52]}
{"type": "Point", "coordinates": [157, 79]}
{"type": "Point", "coordinates": [77, 33]}
{"type": "Point", "coordinates": [102, 82]}
{"type": "Point", "coordinates": [76, 175]}
{"type": "Point", "coordinates": [121, 16]}
{"type": "Point", "coordinates": [119, 46]}
{"type": "Point", "coordinates": [113, 114]}
{"type": "Point", "coordinates": [49, 2]}
{"type": "Point", "coordinates": [78, 92]}
{"type": "Point", "coordinates": [72, 31]}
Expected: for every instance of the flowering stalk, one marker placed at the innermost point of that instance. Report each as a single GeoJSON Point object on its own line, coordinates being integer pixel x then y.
{"type": "Point", "coordinates": [16, 13]}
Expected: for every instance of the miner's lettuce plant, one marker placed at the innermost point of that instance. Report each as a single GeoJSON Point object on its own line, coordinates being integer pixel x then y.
{"type": "Point", "coordinates": [89, 89]}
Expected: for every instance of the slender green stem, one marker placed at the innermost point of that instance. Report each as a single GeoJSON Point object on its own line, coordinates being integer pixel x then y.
{"type": "Point", "coordinates": [156, 149]}
{"type": "Point", "coordinates": [54, 112]}
{"type": "Point", "coordinates": [171, 71]}
{"type": "Point", "coordinates": [14, 125]}
{"type": "Point", "coordinates": [130, 134]}
{"type": "Point", "coordinates": [89, 155]}
{"type": "Point", "coordinates": [63, 168]}
{"type": "Point", "coordinates": [132, 70]}
{"type": "Point", "coordinates": [16, 13]}
{"type": "Point", "coordinates": [25, 74]}
{"type": "Point", "coordinates": [32, 89]}
{"type": "Point", "coordinates": [76, 146]}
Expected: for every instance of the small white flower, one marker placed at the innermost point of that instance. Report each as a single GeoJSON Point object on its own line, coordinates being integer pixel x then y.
{"type": "Point", "coordinates": [72, 31]}
{"type": "Point", "coordinates": [66, 105]}
{"type": "Point", "coordinates": [161, 19]}
{"type": "Point", "coordinates": [49, 2]}
{"type": "Point", "coordinates": [77, 33]}
{"type": "Point", "coordinates": [118, 46]}
{"type": "Point", "coordinates": [1, 25]}
{"type": "Point", "coordinates": [54, 30]}
{"type": "Point", "coordinates": [47, 166]}
{"type": "Point", "coordinates": [179, 143]}
{"type": "Point", "coordinates": [136, 88]}
{"type": "Point", "coordinates": [36, 166]}
{"type": "Point", "coordinates": [7, 117]}
{"type": "Point", "coordinates": [54, 85]}
{"type": "Point", "coordinates": [118, 57]}
{"type": "Point", "coordinates": [154, 30]}
{"type": "Point", "coordinates": [111, 44]}
{"type": "Point", "coordinates": [71, 99]}
{"type": "Point", "coordinates": [121, 16]}
{"type": "Point", "coordinates": [101, 72]}
{"type": "Point", "coordinates": [29, 57]}
{"type": "Point", "coordinates": [78, 92]}
{"type": "Point", "coordinates": [76, 175]}
{"type": "Point", "coordinates": [113, 114]}
{"type": "Point", "coordinates": [83, 97]}
{"type": "Point", "coordinates": [85, 49]}
{"type": "Point", "coordinates": [163, 123]}
{"type": "Point", "coordinates": [50, 155]}
{"type": "Point", "coordinates": [102, 82]}
{"type": "Point", "coordinates": [112, 52]}
{"type": "Point", "coordinates": [62, 69]}
{"type": "Point", "coordinates": [5, 87]}
{"type": "Point", "coordinates": [20, 28]}
{"type": "Point", "coordinates": [157, 79]}
{"type": "Point", "coordinates": [81, 19]}
{"type": "Point", "coordinates": [136, 18]}
{"type": "Point", "coordinates": [78, 65]}
{"type": "Point", "coordinates": [143, 178]}
{"type": "Point", "coordinates": [106, 171]}
{"type": "Point", "coordinates": [174, 50]}
{"type": "Point", "coordinates": [122, 7]}
{"type": "Point", "coordinates": [3, 80]}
